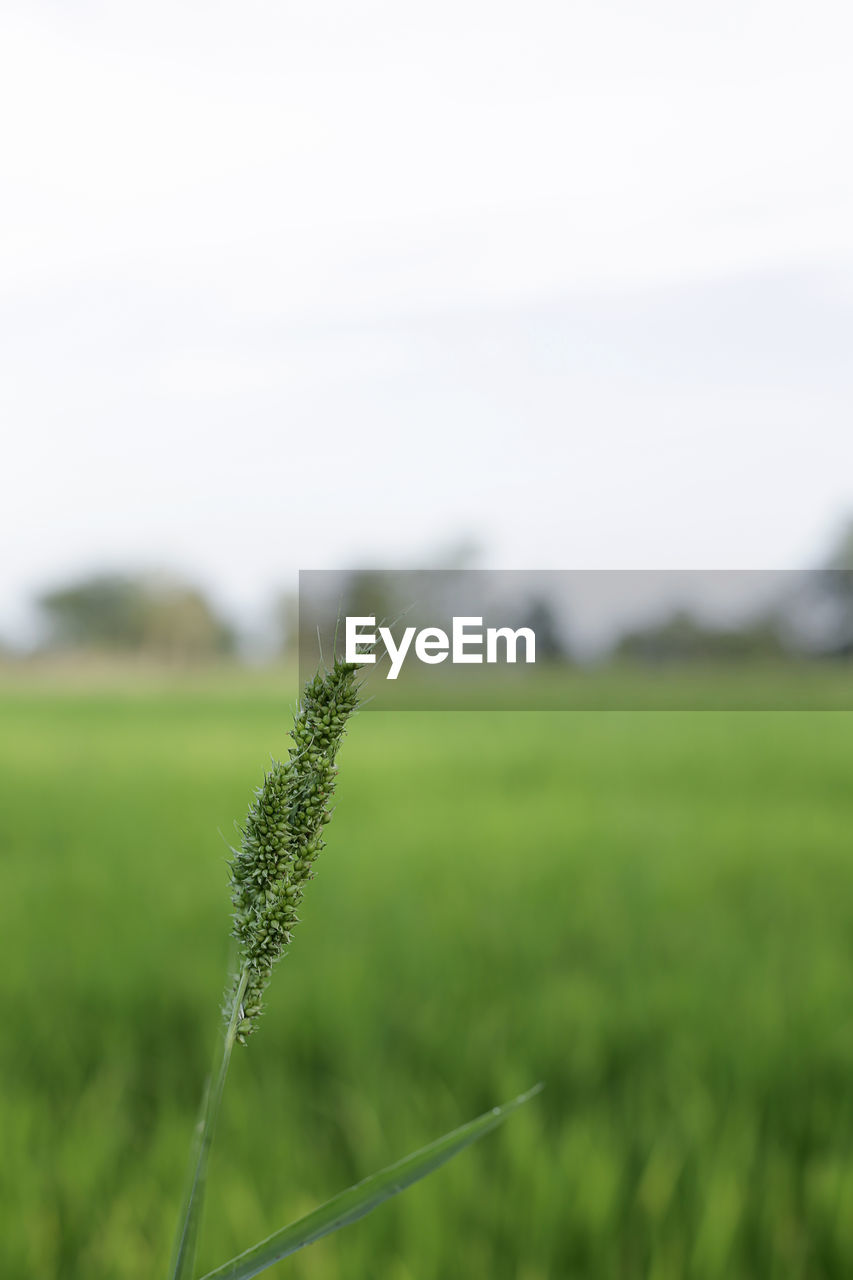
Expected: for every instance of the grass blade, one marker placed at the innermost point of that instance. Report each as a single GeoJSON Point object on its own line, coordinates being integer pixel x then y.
{"type": "Point", "coordinates": [183, 1260]}
{"type": "Point", "coordinates": [359, 1200]}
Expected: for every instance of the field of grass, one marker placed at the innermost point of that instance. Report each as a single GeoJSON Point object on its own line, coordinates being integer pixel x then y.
{"type": "Point", "coordinates": [651, 912]}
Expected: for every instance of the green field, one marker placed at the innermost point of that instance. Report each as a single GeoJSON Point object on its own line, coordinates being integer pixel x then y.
{"type": "Point", "coordinates": [651, 912]}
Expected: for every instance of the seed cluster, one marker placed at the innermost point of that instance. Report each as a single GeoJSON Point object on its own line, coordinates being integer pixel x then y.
{"type": "Point", "coordinates": [283, 833]}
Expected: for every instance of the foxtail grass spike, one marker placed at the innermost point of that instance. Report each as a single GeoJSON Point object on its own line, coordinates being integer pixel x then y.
{"type": "Point", "coordinates": [284, 834]}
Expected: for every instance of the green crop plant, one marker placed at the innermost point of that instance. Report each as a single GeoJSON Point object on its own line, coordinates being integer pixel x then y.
{"type": "Point", "coordinates": [280, 842]}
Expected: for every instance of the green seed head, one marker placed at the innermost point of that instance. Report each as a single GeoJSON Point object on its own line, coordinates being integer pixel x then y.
{"type": "Point", "coordinates": [282, 836]}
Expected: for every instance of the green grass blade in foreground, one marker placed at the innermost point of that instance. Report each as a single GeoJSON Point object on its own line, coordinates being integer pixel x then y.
{"type": "Point", "coordinates": [359, 1200]}
{"type": "Point", "coordinates": [183, 1261]}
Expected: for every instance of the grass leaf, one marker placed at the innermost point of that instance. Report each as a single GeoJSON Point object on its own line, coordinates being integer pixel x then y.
{"type": "Point", "coordinates": [359, 1200]}
{"type": "Point", "coordinates": [183, 1260]}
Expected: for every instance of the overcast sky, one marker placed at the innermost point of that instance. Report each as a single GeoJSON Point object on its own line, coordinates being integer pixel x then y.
{"type": "Point", "coordinates": [307, 285]}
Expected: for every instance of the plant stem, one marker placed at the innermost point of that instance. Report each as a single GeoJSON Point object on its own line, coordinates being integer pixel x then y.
{"type": "Point", "coordinates": [185, 1244]}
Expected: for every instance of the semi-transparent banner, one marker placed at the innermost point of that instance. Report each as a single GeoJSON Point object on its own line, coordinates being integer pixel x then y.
{"type": "Point", "coordinates": [585, 639]}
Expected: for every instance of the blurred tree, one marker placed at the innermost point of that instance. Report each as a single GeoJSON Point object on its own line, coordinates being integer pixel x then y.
{"type": "Point", "coordinates": [841, 555]}
{"type": "Point", "coordinates": [551, 645]}
{"type": "Point", "coordinates": [157, 615]}
{"type": "Point", "coordinates": [833, 588]}
{"type": "Point", "coordinates": [284, 625]}
{"type": "Point", "coordinates": [683, 638]}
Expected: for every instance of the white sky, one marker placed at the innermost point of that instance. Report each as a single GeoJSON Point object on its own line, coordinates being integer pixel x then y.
{"type": "Point", "coordinates": [304, 285]}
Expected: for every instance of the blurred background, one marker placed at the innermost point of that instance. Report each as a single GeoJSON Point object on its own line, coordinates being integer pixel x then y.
{"type": "Point", "coordinates": [560, 286]}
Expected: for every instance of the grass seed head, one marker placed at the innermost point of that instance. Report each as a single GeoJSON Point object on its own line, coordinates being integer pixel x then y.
{"type": "Point", "coordinates": [283, 833]}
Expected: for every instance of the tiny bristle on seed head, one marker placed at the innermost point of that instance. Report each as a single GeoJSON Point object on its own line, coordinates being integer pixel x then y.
{"type": "Point", "coordinates": [283, 832]}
